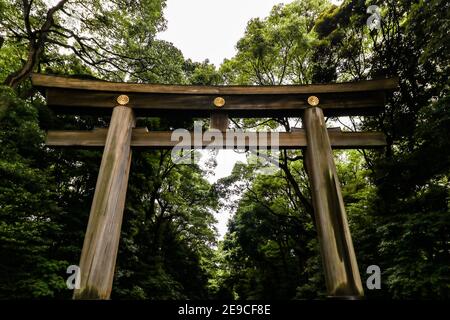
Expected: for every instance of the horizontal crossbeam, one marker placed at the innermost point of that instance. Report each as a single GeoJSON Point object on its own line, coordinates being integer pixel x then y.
{"type": "Point", "coordinates": [75, 96]}
{"type": "Point", "coordinates": [163, 139]}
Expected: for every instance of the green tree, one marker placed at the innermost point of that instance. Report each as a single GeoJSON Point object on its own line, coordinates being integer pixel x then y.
{"type": "Point", "coordinates": [397, 200]}
{"type": "Point", "coordinates": [46, 193]}
{"type": "Point", "coordinates": [29, 206]}
{"type": "Point", "coordinates": [278, 49]}
{"type": "Point", "coordinates": [410, 208]}
{"type": "Point", "coordinates": [80, 28]}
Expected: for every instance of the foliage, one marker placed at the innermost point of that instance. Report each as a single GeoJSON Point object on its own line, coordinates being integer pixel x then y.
{"type": "Point", "coordinates": [46, 193]}
{"type": "Point", "coordinates": [397, 199]}
{"type": "Point", "coordinates": [278, 49]}
{"type": "Point", "coordinates": [114, 38]}
{"type": "Point", "coordinates": [28, 227]}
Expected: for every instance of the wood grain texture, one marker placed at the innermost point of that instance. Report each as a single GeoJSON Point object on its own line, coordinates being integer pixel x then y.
{"type": "Point", "coordinates": [219, 121]}
{"type": "Point", "coordinates": [162, 139]}
{"type": "Point", "coordinates": [49, 81]}
{"type": "Point", "coordinates": [98, 257]}
{"type": "Point", "coordinates": [338, 256]}
{"type": "Point", "coordinates": [65, 95]}
{"type": "Point", "coordinates": [186, 105]}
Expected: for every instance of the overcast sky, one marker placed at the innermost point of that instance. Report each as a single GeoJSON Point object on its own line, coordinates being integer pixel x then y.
{"type": "Point", "coordinates": [210, 29]}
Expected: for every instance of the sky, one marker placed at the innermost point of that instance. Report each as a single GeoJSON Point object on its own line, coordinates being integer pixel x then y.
{"type": "Point", "coordinates": [210, 29]}
{"type": "Point", "coordinates": [226, 159]}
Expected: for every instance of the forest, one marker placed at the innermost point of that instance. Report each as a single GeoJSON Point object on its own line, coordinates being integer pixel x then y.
{"type": "Point", "coordinates": [397, 198]}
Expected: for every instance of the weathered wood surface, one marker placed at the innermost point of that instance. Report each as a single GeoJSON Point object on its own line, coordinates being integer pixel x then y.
{"type": "Point", "coordinates": [49, 81]}
{"type": "Point", "coordinates": [339, 261]}
{"type": "Point", "coordinates": [98, 257]}
{"type": "Point", "coordinates": [67, 95]}
{"type": "Point", "coordinates": [219, 120]}
{"type": "Point", "coordinates": [162, 139]}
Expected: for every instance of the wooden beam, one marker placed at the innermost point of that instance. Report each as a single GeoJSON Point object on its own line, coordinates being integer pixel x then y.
{"type": "Point", "coordinates": [338, 256]}
{"type": "Point", "coordinates": [162, 139]}
{"type": "Point", "coordinates": [219, 121]}
{"type": "Point", "coordinates": [66, 95]}
{"type": "Point", "coordinates": [101, 242]}
{"type": "Point", "coordinates": [170, 105]}
{"type": "Point", "coordinates": [49, 81]}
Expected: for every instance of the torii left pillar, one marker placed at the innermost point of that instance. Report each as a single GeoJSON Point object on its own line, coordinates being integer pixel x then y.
{"type": "Point", "coordinates": [101, 242]}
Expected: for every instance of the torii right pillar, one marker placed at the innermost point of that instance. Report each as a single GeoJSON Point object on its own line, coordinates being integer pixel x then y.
{"type": "Point", "coordinates": [338, 255]}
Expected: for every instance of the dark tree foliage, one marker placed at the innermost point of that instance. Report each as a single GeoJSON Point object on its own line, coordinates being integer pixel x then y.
{"type": "Point", "coordinates": [397, 199]}
{"type": "Point", "coordinates": [45, 196]}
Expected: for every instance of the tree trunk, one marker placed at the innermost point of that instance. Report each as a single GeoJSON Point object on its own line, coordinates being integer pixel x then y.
{"type": "Point", "coordinates": [14, 79]}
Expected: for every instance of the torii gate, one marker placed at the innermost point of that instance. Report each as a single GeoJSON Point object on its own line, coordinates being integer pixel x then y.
{"type": "Point", "coordinates": [127, 101]}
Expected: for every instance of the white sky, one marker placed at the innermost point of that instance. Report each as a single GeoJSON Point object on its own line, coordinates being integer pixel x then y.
{"type": "Point", "coordinates": [226, 159]}
{"type": "Point", "coordinates": [210, 29]}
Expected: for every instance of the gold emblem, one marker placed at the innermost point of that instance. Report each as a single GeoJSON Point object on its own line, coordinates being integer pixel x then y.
{"type": "Point", "coordinates": [123, 99]}
{"type": "Point", "coordinates": [313, 101]}
{"type": "Point", "coordinates": [219, 102]}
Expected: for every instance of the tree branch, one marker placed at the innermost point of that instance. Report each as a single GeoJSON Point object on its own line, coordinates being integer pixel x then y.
{"type": "Point", "coordinates": [36, 45]}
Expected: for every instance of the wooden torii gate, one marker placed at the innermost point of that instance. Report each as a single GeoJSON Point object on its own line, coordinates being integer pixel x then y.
{"type": "Point", "coordinates": [126, 101]}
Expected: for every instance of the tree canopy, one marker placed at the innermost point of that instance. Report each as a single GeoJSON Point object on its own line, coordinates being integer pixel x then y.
{"type": "Point", "coordinates": [397, 199]}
